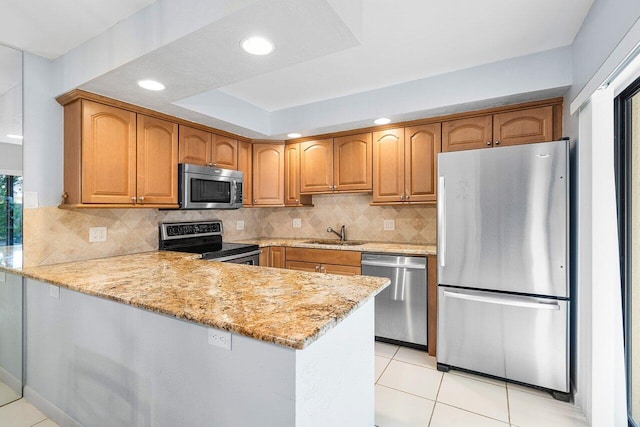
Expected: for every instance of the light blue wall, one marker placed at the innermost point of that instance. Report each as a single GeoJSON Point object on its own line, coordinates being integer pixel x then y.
{"type": "Point", "coordinates": [605, 25]}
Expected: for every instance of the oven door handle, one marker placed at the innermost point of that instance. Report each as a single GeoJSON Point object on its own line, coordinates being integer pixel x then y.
{"type": "Point", "coordinates": [236, 256]}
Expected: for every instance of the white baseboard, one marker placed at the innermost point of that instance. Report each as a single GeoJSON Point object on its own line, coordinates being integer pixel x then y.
{"type": "Point", "coordinates": [49, 409]}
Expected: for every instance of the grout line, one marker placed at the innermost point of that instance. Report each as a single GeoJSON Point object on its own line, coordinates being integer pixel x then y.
{"type": "Point", "coordinates": [477, 378]}
{"type": "Point", "coordinates": [474, 413]}
{"type": "Point", "coordinates": [383, 371]}
{"type": "Point", "coordinates": [508, 405]}
{"type": "Point", "coordinates": [406, 392]}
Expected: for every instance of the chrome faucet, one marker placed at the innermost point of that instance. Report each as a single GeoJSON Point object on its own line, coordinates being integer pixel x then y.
{"type": "Point", "coordinates": [342, 235]}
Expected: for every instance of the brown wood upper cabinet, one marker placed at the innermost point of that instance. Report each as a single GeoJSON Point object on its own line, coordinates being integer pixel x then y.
{"type": "Point", "coordinates": [115, 157]}
{"type": "Point", "coordinates": [245, 165]}
{"type": "Point", "coordinates": [405, 164]}
{"type": "Point", "coordinates": [203, 148]}
{"type": "Point", "coordinates": [292, 195]}
{"type": "Point", "coordinates": [268, 175]}
{"type": "Point", "coordinates": [509, 128]}
{"type": "Point", "coordinates": [342, 164]}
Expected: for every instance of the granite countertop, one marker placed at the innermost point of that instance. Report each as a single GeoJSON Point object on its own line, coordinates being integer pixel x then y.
{"type": "Point", "coordinates": [11, 258]}
{"type": "Point", "coordinates": [383, 247]}
{"type": "Point", "coordinates": [285, 307]}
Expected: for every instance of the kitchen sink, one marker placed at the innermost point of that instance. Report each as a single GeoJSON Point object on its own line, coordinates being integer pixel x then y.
{"type": "Point", "coordinates": [336, 242]}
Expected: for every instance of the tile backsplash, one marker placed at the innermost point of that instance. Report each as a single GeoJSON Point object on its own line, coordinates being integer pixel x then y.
{"type": "Point", "coordinates": [53, 235]}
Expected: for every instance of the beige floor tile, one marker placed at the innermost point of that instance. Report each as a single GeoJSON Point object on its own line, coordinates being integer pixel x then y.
{"type": "Point", "coordinates": [531, 390]}
{"type": "Point", "coordinates": [46, 423]}
{"type": "Point", "coordinates": [423, 382]}
{"type": "Point", "coordinates": [381, 365]}
{"type": "Point", "coordinates": [529, 410]}
{"type": "Point", "coordinates": [397, 409]}
{"type": "Point", "coordinates": [385, 350]}
{"type": "Point", "coordinates": [478, 377]}
{"type": "Point", "coordinates": [20, 414]}
{"type": "Point", "coordinates": [417, 357]}
{"type": "Point", "coordinates": [448, 416]}
{"type": "Point", "coordinates": [7, 394]}
{"type": "Point", "coordinates": [474, 396]}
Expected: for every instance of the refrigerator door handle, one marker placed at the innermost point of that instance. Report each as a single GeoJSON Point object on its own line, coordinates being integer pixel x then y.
{"type": "Point", "coordinates": [504, 300]}
{"type": "Point", "coordinates": [442, 223]}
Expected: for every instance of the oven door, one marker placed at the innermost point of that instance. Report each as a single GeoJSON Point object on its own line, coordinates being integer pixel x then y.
{"type": "Point", "coordinates": [248, 258]}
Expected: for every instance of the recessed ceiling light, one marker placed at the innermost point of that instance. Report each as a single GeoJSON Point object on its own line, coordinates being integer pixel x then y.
{"type": "Point", "coordinates": [151, 85]}
{"type": "Point", "coordinates": [257, 46]}
{"type": "Point", "coordinates": [294, 135]}
{"type": "Point", "coordinates": [14, 136]}
{"type": "Point", "coordinates": [382, 121]}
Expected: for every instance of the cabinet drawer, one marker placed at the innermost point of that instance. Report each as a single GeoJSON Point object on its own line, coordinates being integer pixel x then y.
{"type": "Point", "coordinates": [344, 270]}
{"type": "Point", "coordinates": [311, 267]}
{"type": "Point", "coordinates": [324, 256]}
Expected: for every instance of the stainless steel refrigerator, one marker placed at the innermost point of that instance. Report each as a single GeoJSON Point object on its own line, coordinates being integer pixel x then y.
{"type": "Point", "coordinates": [503, 294]}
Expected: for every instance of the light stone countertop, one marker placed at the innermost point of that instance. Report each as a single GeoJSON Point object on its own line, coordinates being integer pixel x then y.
{"type": "Point", "coordinates": [379, 247]}
{"type": "Point", "coordinates": [285, 307]}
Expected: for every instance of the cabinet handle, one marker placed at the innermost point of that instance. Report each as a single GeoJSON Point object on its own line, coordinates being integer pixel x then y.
{"type": "Point", "coordinates": [133, 200]}
{"type": "Point", "coordinates": [209, 164]}
{"type": "Point", "coordinates": [402, 197]}
{"type": "Point", "coordinates": [408, 197]}
{"type": "Point", "coordinates": [496, 143]}
{"type": "Point", "coordinates": [489, 143]}
{"type": "Point", "coordinates": [317, 268]}
{"type": "Point", "coordinates": [142, 199]}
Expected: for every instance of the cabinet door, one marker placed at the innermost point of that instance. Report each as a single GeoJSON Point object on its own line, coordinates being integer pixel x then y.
{"type": "Point", "coordinates": [352, 157]}
{"type": "Point", "coordinates": [523, 127]}
{"type": "Point", "coordinates": [311, 267]}
{"type": "Point", "coordinates": [225, 152]}
{"type": "Point", "coordinates": [264, 257]}
{"type": "Point", "coordinates": [276, 256]}
{"type": "Point", "coordinates": [268, 174]}
{"type": "Point", "coordinates": [466, 134]}
{"type": "Point", "coordinates": [292, 175]}
{"type": "Point", "coordinates": [108, 154]}
{"type": "Point", "coordinates": [194, 146]}
{"type": "Point", "coordinates": [388, 166]}
{"type": "Point", "coordinates": [422, 145]}
{"type": "Point", "coordinates": [316, 166]}
{"type": "Point", "coordinates": [345, 270]}
{"type": "Point", "coordinates": [157, 171]}
{"type": "Point", "coordinates": [245, 166]}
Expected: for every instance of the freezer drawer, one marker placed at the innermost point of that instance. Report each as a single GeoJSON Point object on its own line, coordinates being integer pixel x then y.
{"type": "Point", "coordinates": [515, 337]}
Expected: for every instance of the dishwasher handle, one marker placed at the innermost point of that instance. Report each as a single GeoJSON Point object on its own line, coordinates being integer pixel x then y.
{"type": "Point", "coordinates": [393, 265]}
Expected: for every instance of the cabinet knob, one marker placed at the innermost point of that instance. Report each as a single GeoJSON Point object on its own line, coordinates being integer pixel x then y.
{"type": "Point", "coordinates": [209, 164]}
{"type": "Point", "coordinates": [142, 199]}
{"type": "Point", "coordinates": [497, 143]}
{"type": "Point", "coordinates": [408, 197]}
{"type": "Point", "coordinates": [133, 200]}
{"type": "Point", "coordinates": [297, 201]}
{"type": "Point", "coordinates": [323, 270]}
{"type": "Point", "coordinates": [402, 197]}
{"type": "Point", "coordinates": [255, 200]}
{"type": "Point", "coordinates": [488, 142]}
{"type": "Point", "coordinates": [317, 268]}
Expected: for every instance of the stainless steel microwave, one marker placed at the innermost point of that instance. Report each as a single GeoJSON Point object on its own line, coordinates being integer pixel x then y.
{"type": "Point", "coordinates": [205, 187]}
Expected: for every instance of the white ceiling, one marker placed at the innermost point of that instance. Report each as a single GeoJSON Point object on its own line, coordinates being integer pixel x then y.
{"type": "Point", "coordinates": [51, 28]}
{"type": "Point", "coordinates": [325, 49]}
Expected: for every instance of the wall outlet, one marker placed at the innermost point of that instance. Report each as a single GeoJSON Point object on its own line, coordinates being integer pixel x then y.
{"type": "Point", "coordinates": [97, 234]}
{"type": "Point", "coordinates": [54, 291]}
{"type": "Point", "coordinates": [219, 338]}
{"type": "Point", "coordinates": [297, 223]}
{"type": "Point", "coordinates": [240, 225]}
{"type": "Point", "coordinates": [389, 225]}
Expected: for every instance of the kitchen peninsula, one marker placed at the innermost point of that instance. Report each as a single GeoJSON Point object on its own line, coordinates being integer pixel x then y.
{"type": "Point", "coordinates": [152, 360]}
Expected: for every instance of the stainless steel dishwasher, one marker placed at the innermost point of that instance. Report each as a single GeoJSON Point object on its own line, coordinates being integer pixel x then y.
{"type": "Point", "coordinates": [401, 309]}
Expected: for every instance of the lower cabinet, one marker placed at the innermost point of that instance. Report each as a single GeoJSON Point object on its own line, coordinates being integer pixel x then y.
{"type": "Point", "coordinates": [329, 261]}
{"type": "Point", "coordinates": [272, 256]}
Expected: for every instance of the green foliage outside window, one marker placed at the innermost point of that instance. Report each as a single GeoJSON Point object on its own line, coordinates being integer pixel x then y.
{"type": "Point", "coordinates": [10, 210]}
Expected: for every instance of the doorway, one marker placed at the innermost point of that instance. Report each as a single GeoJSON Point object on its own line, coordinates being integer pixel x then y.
{"type": "Point", "coordinates": [627, 157]}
